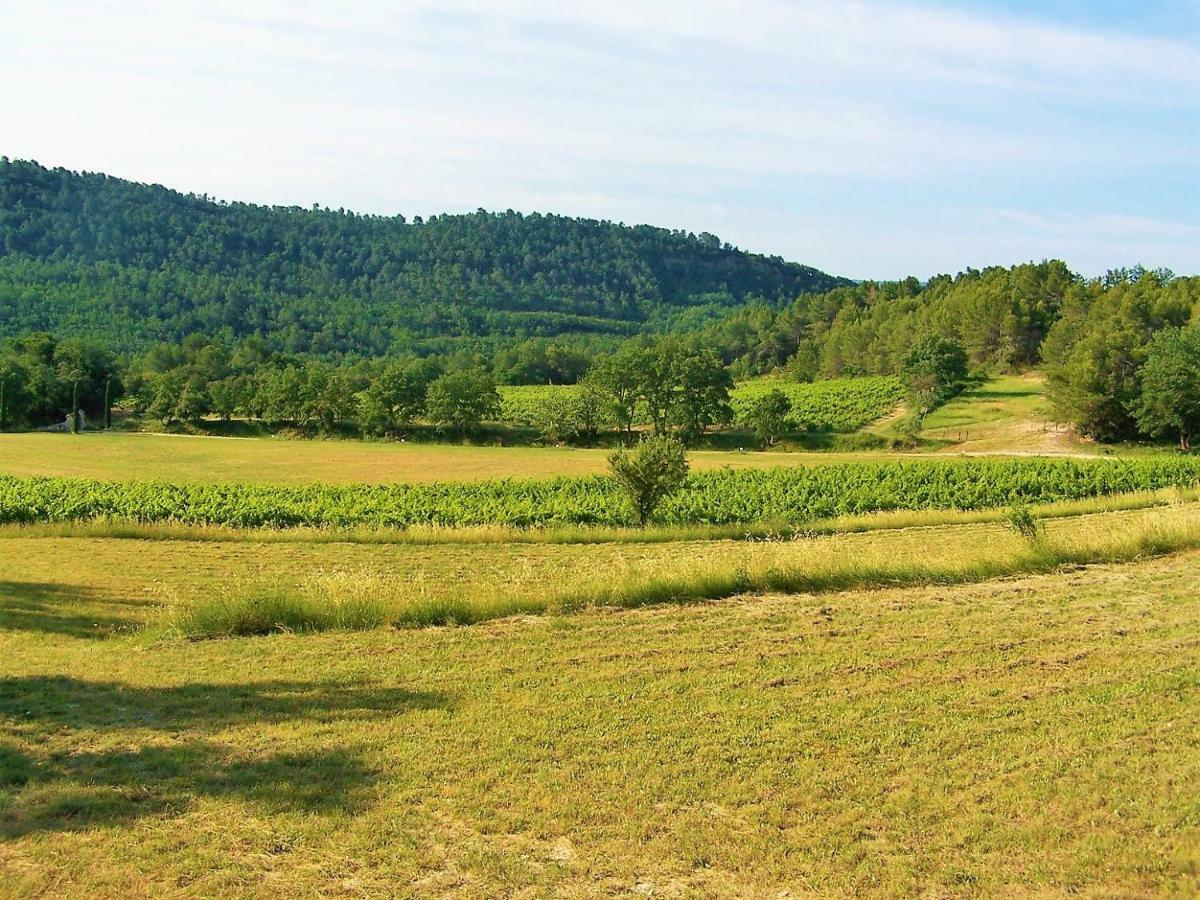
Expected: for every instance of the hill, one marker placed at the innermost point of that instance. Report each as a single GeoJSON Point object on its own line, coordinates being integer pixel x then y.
{"type": "Point", "coordinates": [133, 264]}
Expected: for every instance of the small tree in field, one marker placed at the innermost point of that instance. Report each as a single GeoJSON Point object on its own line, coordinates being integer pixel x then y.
{"type": "Point", "coordinates": [650, 473]}
{"type": "Point", "coordinates": [767, 416]}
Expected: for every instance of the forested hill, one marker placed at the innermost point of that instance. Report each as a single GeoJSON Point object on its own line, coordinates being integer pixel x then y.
{"type": "Point", "coordinates": [133, 264]}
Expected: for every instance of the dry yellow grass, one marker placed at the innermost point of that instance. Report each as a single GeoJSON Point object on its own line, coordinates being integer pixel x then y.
{"type": "Point", "coordinates": [1027, 736]}
{"type": "Point", "coordinates": [278, 461]}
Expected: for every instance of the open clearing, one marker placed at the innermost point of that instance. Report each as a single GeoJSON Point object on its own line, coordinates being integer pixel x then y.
{"type": "Point", "coordinates": [1005, 414]}
{"type": "Point", "coordinates": [1030, 734]}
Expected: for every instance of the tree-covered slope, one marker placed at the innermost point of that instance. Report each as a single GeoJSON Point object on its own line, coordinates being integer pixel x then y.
{"type": "Point", "coordinates": [134, 263]}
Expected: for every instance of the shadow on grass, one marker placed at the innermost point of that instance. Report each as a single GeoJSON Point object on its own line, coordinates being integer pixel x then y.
{"type": "Point", "coordinates": [981, 393]}
{"type": "Point", "coordinates": [59, 609]}
{"type": "Point", "coordinates": [77, 789]}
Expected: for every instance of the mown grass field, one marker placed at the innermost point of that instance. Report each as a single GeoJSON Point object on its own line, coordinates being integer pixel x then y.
{"type": "Point", "coordinates": [150, 457]}
{"type": "Point", "coordinates": [908, 702]}
{"type": "Point", "coordinates": [1004, 398]}
{"type": "Point", "coordinates": [1021, 735]}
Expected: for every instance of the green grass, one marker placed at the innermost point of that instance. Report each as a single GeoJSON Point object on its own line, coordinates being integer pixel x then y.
{"type": "Point", "coordinates": [1004, 398]}
{"type": "Point", "coordinates": [273, 608]}
{"type": "Point", "coordinates": [1025, 736]}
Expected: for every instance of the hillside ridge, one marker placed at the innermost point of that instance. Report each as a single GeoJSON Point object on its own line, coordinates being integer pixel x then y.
{"type": "Point", "coordinates": [138, 263]}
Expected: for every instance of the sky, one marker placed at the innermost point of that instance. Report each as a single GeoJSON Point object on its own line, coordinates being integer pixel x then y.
{"type": "Point", "coordinates": [870, 139]}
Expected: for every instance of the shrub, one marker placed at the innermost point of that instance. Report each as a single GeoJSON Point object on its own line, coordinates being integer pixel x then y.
{"type": "Point", "coordinates": [1020, 520]}
{"type": "Point", "coordinates": [650, 473]}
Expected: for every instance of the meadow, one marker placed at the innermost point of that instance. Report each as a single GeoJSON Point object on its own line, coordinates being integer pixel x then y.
{"type": "Point", "coordinates": [295, 668]}
{"type": "Point", "coordinates": [192, 458]}
{"type": "Point", "coordinates": [1026, 734]}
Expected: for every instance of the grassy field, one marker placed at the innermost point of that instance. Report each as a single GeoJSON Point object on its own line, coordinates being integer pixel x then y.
{"type": "Point", "coordinates": [1005, 414]}
{"type": "Point", "coordinates": [1023, 735]}
{"type": "Point", "coordinates": [278, 461]}
{"type": "Point", "coordinates": [901, 703]}
{"type": "Point", "coordinates": [128, 583]}
{"type": "Point", "coordinates": [1005, 398]}
{"type": "Point", "coordinates": [1002, 416]}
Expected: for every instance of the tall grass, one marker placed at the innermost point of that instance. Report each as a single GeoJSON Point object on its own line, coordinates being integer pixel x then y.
{"type": "Point", "coordinates": [879, 568]}
{"type": "Point", "coordinates": [814, 566]}
{"type": "Point", "coordinates": [272, 608]}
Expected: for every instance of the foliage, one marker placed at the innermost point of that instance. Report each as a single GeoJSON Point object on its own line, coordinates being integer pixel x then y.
{"type": "Point", "coordinates": [131, 263]}
{"type": "Point", "coordinates": [650, 473]}
{"type": "Point", "coordinates": [44, 378]}
{"type": "Point", "coordinates": [396, 395]}
{"type": "Point", "coordinates": [462, 400]}
{"type": "Point", "coordinates": [1094, 354]}
{"type": "Point", "coordinates": [701, 386]}
{"type": "Point", "coordinates": [1170, 395]}
{"type": "Point", "coordinates": [1019, 519]}
{"type": "Point", "coordinates": [620, 377]}
{"type": "Point", "coordinates": [933, 371]}
{"type": "Point", "coordinates": [767, 415]}
{"type": "Point", "coordinates": [843, 404]}
{"type": "Point", "coordinates": [574, 413]}
{"type": "Point", "coordinates": [999, 315]}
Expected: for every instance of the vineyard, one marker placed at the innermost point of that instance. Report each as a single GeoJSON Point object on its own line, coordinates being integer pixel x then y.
{"type": "Point", "coordinates": [523, 404]}
{"type": "Point", "coordinates": [842, 405]}
{"type": "Point", "coordinates": [787, 496]}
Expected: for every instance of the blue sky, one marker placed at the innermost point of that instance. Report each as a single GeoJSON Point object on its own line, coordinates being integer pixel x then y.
{"type": "Point", "coordinates": [870, 139]}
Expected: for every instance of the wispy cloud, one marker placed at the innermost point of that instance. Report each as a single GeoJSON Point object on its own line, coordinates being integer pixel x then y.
{"type": "Point", "coordinates": [872, 138]}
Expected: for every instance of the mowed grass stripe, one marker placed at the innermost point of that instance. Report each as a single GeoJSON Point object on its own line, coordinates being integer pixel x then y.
{"type": "Point", "coordinates": [122, 584]}
{"type": "Point", "coordinates": [1030, 736]}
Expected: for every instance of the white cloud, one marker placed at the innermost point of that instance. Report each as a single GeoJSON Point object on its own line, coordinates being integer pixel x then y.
{"type": "Point", "coordinates": [709, 114]}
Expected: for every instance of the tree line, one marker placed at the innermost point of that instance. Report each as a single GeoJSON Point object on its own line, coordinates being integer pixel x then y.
{"type": "Point", "coordinates": [140, 271]}
{"type": "Point", "coordinates": [1121, 355]}
{"type": "Point", "coordinates": [682, 387]}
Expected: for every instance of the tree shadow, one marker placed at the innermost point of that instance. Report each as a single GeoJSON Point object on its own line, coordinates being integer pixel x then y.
{"type": "Point", "coordinates": [75, 789]}
{"type": "Point", "coordinates": [982, 394]}
{"type": "Point", "coordinates": [60, 609]}
{"type": "Point", "coordinates": [57, 700]}
{"type": "Point", "coordinates": [89, 790]}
